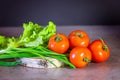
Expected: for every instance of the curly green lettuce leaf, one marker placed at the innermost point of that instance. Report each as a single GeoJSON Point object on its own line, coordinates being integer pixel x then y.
{"type": "Point", "coordinates": [14, 42]}
{"type": "Point", "coordinates": [33, 35]}
{"type": "Point", "coordinates": [43, 36]}
{"type": "Point", "coordinates": [30, 32]}
{"type": "Point", "coordinates": [3, 42]}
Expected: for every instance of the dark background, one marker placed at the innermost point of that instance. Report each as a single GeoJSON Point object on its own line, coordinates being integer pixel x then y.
{"type": "Point", "coordinates": [62, 12]}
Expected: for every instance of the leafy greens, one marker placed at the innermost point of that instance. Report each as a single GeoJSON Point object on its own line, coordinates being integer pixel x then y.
{"type": "Point", "coordinates": [33, 35]}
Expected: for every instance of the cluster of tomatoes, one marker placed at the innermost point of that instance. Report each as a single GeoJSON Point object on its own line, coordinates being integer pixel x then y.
{"type": "Point", "coordinates": [82, 51]}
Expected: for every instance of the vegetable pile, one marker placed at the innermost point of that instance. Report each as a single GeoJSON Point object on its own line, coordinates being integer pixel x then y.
{"type": "Point", "coordinates": [76, 51]}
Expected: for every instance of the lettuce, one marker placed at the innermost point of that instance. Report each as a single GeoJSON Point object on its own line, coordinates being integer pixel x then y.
{"type": "Point", "coordinates": [43, 36]}
{"type": "Point", "coordinates": [33, 35]}
{"type": "Point", "coordinates": [3, 42]}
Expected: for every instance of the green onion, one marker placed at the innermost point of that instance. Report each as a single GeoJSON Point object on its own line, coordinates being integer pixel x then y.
{"type": "Point", "coordinates": [4, 63]}
{"type": "Point", "coordinates": [38, 51]}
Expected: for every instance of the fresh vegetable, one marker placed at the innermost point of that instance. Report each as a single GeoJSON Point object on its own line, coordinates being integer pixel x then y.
{"type": "Point", "coordinates": [80, 57]}
{"type": "Point", "coordinates": [3, 42]}
{"type": "Point", "coordinates": [38, 51]}
{"type": "Point", "coordinates": [58, 43]}
{"type": "Point", "coordinates": [78, 38]}
{"type": "Point", "coordinates": [33, 35]}
{"type": "Point", "coordinates": [100, 51]}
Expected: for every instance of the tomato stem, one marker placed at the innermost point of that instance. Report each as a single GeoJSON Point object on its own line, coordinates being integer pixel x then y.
{"type": "Point", "coordinates": [104, 47]}
{"type": "Point", "coordinates": [78, 34]}
{"type": "Point", "coordinates": [86, 59]}
{"type": "Point", "coordinates": [58, 38]}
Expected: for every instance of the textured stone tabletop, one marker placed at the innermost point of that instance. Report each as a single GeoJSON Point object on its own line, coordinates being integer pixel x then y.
{"type": "Point", "coordinates": [109, 70]}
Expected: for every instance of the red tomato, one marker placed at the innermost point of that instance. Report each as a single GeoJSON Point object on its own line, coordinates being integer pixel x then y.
{"type": "Point", "coordinates": [58, 43]}
{"type": "Point", "coordinates": [78, 38]}
{"type": "Point", "coordinates": [80, 57]}
{"type": "Point", "coordinates": [100, 51]}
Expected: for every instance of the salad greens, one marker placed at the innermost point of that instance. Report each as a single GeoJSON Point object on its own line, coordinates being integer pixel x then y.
{"type": "Point", "coordinates": [33, 35]}
{"type": "Point", "coordinates": [3, 42]}
{"type": "Point", "coordinates": [31, 43]}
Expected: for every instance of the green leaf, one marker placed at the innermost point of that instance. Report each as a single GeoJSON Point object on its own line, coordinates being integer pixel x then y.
{"type": "Point", "coordinates": [30, 31]}
{"type": "Point", "coordinates": [3, 42]}
{"type": "Point", "coordinates": [33, 35]}
{"type": "Point", "coordinates": [43, 36]}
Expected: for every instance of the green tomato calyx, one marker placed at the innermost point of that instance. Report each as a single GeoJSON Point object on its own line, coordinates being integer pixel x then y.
{"type": "Point", "coordinates": [78, 34]}
{"type": "Point", "coordinates": [86, 59]}
{"type": "Point", "coordinates": [58, 38]}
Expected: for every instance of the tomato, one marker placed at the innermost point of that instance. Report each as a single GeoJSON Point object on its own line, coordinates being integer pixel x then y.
{"type": "Point", "coordinates": [78, 38]}
{"type": "Point", "coordinates": [58, 43]}
{"type": "Point", "coordinates": [80, 57]}
{"type": "Point", "coordinates": [100, 51]}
